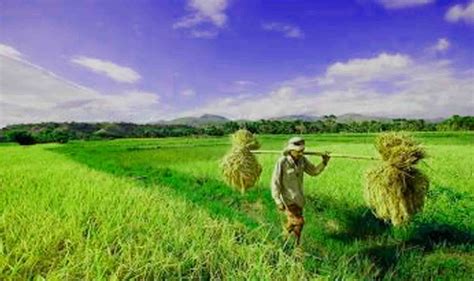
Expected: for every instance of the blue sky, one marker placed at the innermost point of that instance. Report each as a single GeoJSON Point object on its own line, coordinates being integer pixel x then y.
{"type": "Point", "coordinates": [144, 61]}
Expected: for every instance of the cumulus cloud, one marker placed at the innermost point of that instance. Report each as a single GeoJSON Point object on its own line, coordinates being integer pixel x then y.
{"type": "Point", "coordinates": [10, 52]}
{"type": "Point", "coordinates": [441, 46]}
{"type": "Point", "coordinates": [362, 70]}
{"type": "Point", "coordinates": [114, 71]}
{"type": "Point", "coordinates": [403, 88]}
{"type": "Point", "coordinates": [288, 30]}
{"type": "Point", "coordinates": [401, 4]}
{"type": "Point", "coordinates": [30, 93]}
{"type": "Point", "coordinates": [203, 12]}
{"type": "Point", "coordinates": [461, 13]}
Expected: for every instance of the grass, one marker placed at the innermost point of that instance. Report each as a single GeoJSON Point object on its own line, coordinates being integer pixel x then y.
{"type": "Point", "coordinates": [157, 208]}
{"type": "Point", "coordinates": [62, 220]}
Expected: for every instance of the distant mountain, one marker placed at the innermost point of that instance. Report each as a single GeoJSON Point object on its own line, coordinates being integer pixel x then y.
{"type": "Point", "coordinates": [210, 119]}
{"type": "Point", "coordinates": [206, 119]}
{"type": "Point", "coordinates": [344, 118]}
{"type": "Point", "coordinates": [355, 117]}
{"type": "Point", "coordinates": [297, 117]}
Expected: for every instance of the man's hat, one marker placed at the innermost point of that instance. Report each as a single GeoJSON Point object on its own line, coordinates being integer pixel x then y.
{"type": "Point", "coordinates": [295, 143]}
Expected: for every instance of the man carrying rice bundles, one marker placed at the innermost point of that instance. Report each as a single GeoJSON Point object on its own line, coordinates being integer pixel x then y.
{"type": "Point", "coordinates": [287, 183]}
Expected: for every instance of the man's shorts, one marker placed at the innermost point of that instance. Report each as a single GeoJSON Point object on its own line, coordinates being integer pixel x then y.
{"type": "Point", "coordinates": [295, 220]}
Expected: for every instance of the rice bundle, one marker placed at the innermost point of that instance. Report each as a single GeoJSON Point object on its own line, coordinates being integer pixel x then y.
{"type": "Point", "coordinates": [240, 167]}
{"type": "Point", "coordinates": [244, 138]}
{"type": "Point", "coordinates": [396, 190]}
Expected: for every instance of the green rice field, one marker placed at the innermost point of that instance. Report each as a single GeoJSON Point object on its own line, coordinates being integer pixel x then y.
{"type": "Point", "coordinates": [148, 209]}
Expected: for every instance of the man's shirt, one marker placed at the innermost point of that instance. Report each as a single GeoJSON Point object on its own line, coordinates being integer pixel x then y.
{"type": "Point", "coordinates": [287, 179]}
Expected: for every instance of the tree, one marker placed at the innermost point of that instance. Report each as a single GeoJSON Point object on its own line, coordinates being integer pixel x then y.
{"type": "Point", "coordinates": [330, 123]}
{"type": "Point", "coordinates": [230, 127]}
{"type": "Point", "coordinates": [213, 131]}
{"type": "Point", "coordinates": [21, 137]}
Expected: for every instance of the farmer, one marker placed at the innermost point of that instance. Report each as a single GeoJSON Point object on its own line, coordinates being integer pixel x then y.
{"type": "Point", "coordinates": [287, 183]}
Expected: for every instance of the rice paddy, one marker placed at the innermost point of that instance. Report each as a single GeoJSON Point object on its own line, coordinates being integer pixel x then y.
{"type": "Point", "coordinates": [160, 209]}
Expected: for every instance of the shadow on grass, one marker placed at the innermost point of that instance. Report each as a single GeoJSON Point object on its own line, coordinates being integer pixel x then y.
{"type": "Point", "coordinates": [423, 239]}
{"type": "Point", "coordinates": [437, 229]}
{"type": "Point", "coordinates": [351, 222]}
{"type": "Point", "coordinates": [427, 235]}
{"type": "Point", "coordinates": [384, 257]}
{"type": "Point", "coordinates": [359, 224]}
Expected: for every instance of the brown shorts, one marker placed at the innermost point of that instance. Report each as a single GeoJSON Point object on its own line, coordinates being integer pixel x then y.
{"type": "Point", "coordinates": [295, 220]}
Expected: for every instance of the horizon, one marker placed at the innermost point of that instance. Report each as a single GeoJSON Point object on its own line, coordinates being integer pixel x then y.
{"type": "Point", "coordinates": [226, 120]}
{"type": "Point", "coordinates": [149, 61]}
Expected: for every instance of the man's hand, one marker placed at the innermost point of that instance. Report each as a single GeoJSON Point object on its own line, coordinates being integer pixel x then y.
{"type": "Point", "coordinates": [326, 158]}
{"type": "Point", "coordinates": [281, 207]}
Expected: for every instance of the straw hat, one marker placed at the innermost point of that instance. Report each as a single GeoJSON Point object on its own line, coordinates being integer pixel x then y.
{"type": "Point", "coordinates": [295, 143]}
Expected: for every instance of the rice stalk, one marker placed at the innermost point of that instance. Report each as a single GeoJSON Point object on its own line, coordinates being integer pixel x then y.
{"type": "Point", "coordinates": [396, 189]}
{"type": "Point", "coordinates": [240, 167]}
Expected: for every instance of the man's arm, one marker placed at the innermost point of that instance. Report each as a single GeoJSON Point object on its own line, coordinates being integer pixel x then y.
{"type": "Point", "coordinates": [276, 184]}
{"type": "Point", "coordinates": [313, 170]}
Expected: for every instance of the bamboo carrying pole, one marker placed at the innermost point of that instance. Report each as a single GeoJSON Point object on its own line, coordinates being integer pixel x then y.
{"type": "Point", "coordinates": [356, 157]}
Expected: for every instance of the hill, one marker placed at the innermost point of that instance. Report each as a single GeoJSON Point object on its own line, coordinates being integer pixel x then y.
{"type": "Point", "coordinates": [206, 119]}
{"type": "Point", "coordinates": [355, 117]}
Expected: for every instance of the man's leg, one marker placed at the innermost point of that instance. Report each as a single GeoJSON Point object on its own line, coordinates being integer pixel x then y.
{"type": "Point", "coordinates": [298, 228]}
{"type": "Point", "coordinates": [295, 221]}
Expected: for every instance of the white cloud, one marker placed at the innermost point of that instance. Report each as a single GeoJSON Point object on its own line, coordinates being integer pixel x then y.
{"type": "Point", "coordinates": [10, 52]}
{"type": "Point", "coordinates": [114, 71]}
{"type": "Point", "coordinates": [362, 70]}
{"type": "Point", "coordinates": [276, 103]}
{"type": "Point", "coordinates": [29, 93]}
{"type": "Point", "coordinates": [188, 21]}
{"type": "Point", "coordinates": [288, 30]}
{"type": "Point", "coordinates": [208, 34]}
{"type": "Point", "coordinates": [441, 46]}
{"type": "Point", "coordinates": [203, 12]}
{"type": "Point", "coordinates": [188, 93]}
{"type": "Point", "coordinates": [401, 4]}
{"type": "Point", "coordinates": [410, 89]}
{"type": "Point", "coordinates": [461, 13]}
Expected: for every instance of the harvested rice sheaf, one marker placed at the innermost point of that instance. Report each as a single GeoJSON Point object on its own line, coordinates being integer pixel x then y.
{"type": "Point", "coordinates": [396, 189]}
{"type": "Point", "coordinates": [244, 138]}
{"type": "Point", "coordinates": [399, 149]}
{"type": "Point", "coordinates": [240, 167]}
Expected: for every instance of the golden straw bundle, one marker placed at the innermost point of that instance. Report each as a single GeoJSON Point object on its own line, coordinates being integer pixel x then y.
{"type": "Point", "coordinates": [396, 189]}
{"type": "Point", "coordinates": [244, 138]}
{"type": "Point", "coordinates": [240, 167]}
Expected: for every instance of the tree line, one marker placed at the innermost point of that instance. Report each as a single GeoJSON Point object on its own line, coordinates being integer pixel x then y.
{"type": "Point", "coordinates": [63, 132]}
